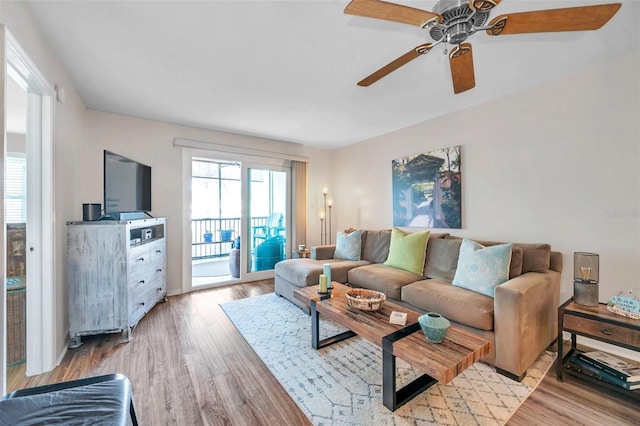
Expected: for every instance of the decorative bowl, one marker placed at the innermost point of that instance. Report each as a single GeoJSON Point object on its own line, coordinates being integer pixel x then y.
{"type": "Point", "coordinates": [434, 326]}
{"type": "Point", "coordinates": [365, 300]}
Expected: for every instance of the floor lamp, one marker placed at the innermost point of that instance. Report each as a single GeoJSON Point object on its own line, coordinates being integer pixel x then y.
{"type": "Point", "coordinates": [325, 218]}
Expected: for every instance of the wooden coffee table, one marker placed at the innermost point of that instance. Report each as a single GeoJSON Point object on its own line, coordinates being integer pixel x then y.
{"type": "Point", "coordinates": [440, 362]}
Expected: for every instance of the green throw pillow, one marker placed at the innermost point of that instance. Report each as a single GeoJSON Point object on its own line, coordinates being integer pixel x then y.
{"type": "Point", "coordinates": [407, 251]}
{"type": "Point", "coordinates": [482, 269]}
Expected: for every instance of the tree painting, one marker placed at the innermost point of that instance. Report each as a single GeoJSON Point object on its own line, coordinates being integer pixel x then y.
{"type": "Point", "coordinates": [427, 189]}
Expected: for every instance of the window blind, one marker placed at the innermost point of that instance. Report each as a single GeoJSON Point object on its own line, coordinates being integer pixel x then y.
{"type": "Point", "coordinates": [15, 201]}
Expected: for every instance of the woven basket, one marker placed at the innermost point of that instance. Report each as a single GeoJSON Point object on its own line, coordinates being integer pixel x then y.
{"type": "Point", "coordinates": [365, 300]}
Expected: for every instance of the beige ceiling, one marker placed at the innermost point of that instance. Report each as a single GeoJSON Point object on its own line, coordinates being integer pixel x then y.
{"type": "Point", "coordinates": [287, 70]}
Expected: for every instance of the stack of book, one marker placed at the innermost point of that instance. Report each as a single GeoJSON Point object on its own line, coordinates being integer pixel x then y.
{"type": "Point", "coordinates": [611, 369]}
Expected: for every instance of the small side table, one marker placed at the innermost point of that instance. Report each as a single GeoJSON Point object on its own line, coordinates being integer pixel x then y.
{"type": "Point", "coordinates": [595, 322]}
{"type": "Point", "coordinates": [302, 254]}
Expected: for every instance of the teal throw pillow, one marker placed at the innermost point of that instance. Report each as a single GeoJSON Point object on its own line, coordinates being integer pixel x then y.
{"type": "Point", "coordinates": [482, 269]}
{"type": "Point", "coordinates": [348, 246]}
{"type": "Point", "coordinates": [407, 251]}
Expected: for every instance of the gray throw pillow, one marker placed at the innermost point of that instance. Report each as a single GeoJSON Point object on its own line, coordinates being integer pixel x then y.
{"type": "Point", "coordinates": [535, 257]}
{"type": "Point", "coordinates": [376, 247]}
{"type": "Point", "coordinates": [442, 259]}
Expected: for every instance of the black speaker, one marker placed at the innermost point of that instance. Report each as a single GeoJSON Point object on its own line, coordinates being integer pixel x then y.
{"type": "Point", "coordinates": [91, 211]}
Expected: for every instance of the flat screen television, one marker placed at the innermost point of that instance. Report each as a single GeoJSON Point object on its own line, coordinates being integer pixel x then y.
{"type": "Point", "coordinates": [127, 185]}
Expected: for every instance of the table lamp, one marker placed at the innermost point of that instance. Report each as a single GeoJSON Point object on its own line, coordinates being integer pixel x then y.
{"type": "Point", "coordinates": [586, 268]}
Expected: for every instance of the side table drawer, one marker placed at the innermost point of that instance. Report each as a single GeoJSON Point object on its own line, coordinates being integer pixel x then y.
{"type": "Point", "coordinates": [601, 330]}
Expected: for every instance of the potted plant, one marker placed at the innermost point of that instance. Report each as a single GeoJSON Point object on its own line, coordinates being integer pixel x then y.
{"type": "Point", "coordinates": [208, 236]}
{"type": "Point", "coordinates": [226, 234]}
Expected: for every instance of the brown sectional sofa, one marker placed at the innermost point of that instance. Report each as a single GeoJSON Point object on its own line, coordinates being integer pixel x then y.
{"type": "Point", "coordinates": [520, 321]}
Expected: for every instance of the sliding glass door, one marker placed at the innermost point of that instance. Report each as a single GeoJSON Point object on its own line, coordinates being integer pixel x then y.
{"type": "Point", "coordinates": [239, 213]}
{"type": "Point", "coordinates": [268, 207]}
{"type": "Point", "coordinates": [215, 219]}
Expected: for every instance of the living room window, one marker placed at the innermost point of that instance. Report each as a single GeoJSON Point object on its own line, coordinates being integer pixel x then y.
{"type": "Point", "coordinates": [15, 209]}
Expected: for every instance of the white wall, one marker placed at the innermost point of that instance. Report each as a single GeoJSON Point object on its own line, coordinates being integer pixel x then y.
{"type": "Point", "coordinates": [16, 142]}
{"type": "Point", "coordinates": [320, 176]}
{"type": "Point", "coordinates": [559, 163]}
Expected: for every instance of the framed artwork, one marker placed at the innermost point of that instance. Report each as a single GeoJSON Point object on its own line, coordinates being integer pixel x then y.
{"type": "Point", "coordinates": [427, 189]}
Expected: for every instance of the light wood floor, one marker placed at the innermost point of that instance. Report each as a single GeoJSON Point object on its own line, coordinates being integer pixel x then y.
{"type": "Point", "coordinates": [189, 366]}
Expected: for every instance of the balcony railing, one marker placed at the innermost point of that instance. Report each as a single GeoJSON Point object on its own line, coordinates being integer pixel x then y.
{"type": "Point", "coordinates": [223, 231]}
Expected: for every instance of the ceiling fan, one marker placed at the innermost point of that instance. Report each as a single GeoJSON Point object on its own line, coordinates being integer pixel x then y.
{"type": "Point", "coordinates": [454, 21]}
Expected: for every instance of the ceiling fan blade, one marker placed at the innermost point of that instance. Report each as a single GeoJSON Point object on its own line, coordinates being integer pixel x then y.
{"type": "Point", "coordinates": [583, 18]}
{"type": "Point", "coordinates": [394, 65]}
{"type": "Point", "coordinates": [483, 5]}
{"type": "Point", "coordinates": [390, 12]}
{"type": "Point", "coordinates": [462, 74]}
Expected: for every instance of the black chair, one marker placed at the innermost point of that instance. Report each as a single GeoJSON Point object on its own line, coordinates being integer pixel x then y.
{"type": "Point", "coordinates": [95, 400]}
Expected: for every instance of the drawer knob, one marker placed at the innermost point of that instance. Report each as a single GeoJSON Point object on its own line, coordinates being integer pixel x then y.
{"type": "Point", "coordinates": [141, 259]}
{"type": "Point", "coordinates": [141, 303]}
{"type": "Point", "coordinates": [141, 282]}
{"type": "Point", "coordinates": [158, 251]}
{"type": "Point", "coordinates": [159, 270]}
{"type": "Point", "coordinates": [607, 332]}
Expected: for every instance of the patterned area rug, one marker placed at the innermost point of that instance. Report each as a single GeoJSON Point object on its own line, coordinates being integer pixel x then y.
{"type": "Point", "coordinates": [342, 384]}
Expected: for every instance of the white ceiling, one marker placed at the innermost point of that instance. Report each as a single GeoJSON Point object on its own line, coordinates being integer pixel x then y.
{"type": "Point", "coordinates": [287, 70]}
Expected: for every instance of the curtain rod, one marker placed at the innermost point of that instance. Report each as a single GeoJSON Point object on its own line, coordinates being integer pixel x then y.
{"type": "Point", "coordinates": [211, 146]}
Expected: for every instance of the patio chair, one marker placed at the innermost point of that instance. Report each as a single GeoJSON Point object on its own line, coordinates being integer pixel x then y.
{"type": "Point", "coordinates": [272, 228]}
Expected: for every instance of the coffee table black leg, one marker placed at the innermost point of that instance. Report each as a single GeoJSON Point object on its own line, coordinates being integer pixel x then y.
{"type": "Point", "coordinates": [316, 343]}
{"type": "Point", "coordinates": [393, 398]}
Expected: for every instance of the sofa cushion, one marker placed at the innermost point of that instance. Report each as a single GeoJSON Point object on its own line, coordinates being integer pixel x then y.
{"type": "Point", "coordinates": [376, 245]}
{"type": "Point", "coordinates": [442, 258]}
{"type": "Point", "coordinates": [515, 269]}
{"type": "Point", "coordinates": [348, 246]}
{"type": "Point", "coordinates": [454, 303]}
{"type": "Point", "coordinates": [323, 252]}
{"type": "Point", "coordinates": [306, 272]}
{"type": "Point", "coordinates": [535, 257]}
{"type": "Point", "coordinates": [407, 251]}
{"type": "Point", "coordinates": [481, 268]}
{"type": "Point", "coordinates": [437, 236]}
{"type": "Point", "coordinates": [380, 277]}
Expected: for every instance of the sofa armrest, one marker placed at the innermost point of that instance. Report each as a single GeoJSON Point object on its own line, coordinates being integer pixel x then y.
{"type": "Point", "coordinates": [555, 261]}
{"type": "Point", "coordinates": [323, 252]}
{"type": "Point", "coordinates": [525, 319]}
